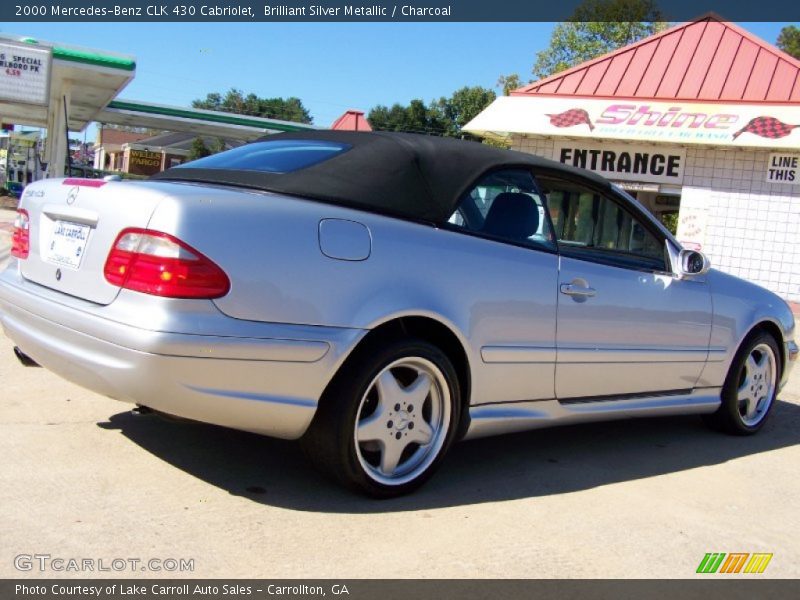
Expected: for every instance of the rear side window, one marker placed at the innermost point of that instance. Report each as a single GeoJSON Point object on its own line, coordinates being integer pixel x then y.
{"type": "Point", "coordinates": [280, 156]}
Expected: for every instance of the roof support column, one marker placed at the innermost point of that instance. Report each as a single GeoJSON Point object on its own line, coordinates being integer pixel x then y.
{"type": "Point", "coordinates": [56, 148]}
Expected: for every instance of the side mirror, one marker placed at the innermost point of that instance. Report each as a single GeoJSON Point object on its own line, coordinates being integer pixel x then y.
{"type": "Point", "coordinates": [692, 262]}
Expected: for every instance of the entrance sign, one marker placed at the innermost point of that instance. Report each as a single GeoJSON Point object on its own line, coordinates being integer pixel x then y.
{"type": "Point", "coordinates": [784, 168]}
{"type": "Point", "coordinates": [625, 162]}
{"type": "Point", "coordinates": [24, 73]}
{"type": "Point", "coordinates": [676, 122]}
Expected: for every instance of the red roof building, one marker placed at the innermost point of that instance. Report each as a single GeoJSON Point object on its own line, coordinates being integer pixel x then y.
{"type": "Point", "coordinates": [352, 120]}
{"type": "Point", "coordinates": [117, 137]}
{"type": "Point", "coordinates": [707, 60]}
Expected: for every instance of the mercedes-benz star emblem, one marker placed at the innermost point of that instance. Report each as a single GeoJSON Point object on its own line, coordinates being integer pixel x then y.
{"type": "Point", "coordinates": [73, 195]}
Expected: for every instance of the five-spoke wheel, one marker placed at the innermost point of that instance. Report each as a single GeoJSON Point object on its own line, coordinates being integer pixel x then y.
{"type": "Point", "coordinates": [402, 420]}
{"type": "Point", "coordinates": [757, 385]}
{"type": "Point", "coordinates": [387, 419]}
{"type": "Point", "coordinates": [750, 388]}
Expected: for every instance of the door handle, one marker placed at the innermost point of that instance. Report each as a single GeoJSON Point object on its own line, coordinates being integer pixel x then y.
{"type": "Point", "coordinates": [570, 289]}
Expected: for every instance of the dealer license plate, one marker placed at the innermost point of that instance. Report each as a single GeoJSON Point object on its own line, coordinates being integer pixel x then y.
{"type": "Point", "coordinates": [67, 244]}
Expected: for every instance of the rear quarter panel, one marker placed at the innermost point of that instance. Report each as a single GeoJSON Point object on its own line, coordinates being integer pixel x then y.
{"type": "Point", "coordinates": [487, 293]}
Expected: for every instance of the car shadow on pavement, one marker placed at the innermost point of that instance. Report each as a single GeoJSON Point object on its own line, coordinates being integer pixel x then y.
{"type": "Point", "coordinates": [523, 465]}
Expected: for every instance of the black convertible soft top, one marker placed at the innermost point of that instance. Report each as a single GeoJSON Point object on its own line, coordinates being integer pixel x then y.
{"type": "Point", "coordinates": [400, 174]}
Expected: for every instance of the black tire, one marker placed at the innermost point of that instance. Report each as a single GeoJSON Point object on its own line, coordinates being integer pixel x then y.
{"type": "Point", "coordinates": [732, 417]}
{"type": "Point", "coordinates": [356, 396]}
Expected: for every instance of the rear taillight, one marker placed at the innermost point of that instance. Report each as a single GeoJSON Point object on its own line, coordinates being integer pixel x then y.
{"type": "Point", "coordinates": [160, 264]}
{"type": "Point", "coordinates": [21, 238]}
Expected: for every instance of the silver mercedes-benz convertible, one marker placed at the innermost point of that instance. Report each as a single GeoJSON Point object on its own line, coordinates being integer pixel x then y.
{"type": "Point", "coordinates": [380, 296]}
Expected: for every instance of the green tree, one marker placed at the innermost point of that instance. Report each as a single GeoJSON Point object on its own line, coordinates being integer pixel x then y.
{"type": "Point", "coordinates": [198, 149]}
{"type": "Point", "coordinates": [446, 116]}
{"type": "Point", "coordinates": [463, 106]}
{"type": "Point", "coordinates": [789, 40]}
{"type": "Point", "coordinates": [595, 28]}
{"type": "Point", "coordinates": [234, 101]}
{"type": "Point", "coordinates": [414, 118]}
{"type": "Point", "coordinates": [508, 83]}
{"type": "Point", "coordinates": [218, 145]}
{"type": "Point", "coordinates": [670, 220]}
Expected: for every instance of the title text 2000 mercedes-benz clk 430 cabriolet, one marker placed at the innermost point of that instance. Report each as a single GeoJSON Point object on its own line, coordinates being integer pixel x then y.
{"type": "Point", "coordinates": [380, 296]}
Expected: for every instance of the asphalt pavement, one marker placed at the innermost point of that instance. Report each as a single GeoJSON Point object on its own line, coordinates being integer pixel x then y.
{"type": "Point", "coordinates": [83, 477]}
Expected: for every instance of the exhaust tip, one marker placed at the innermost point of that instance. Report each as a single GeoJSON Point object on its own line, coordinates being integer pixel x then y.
{"type": "Point", "coordinates": [24, 358]}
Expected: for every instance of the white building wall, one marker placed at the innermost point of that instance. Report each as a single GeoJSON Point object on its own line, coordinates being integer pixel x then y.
{"type": "Point", "coordinates": [751, 227]}
{"type": "Point", "coordinates": [541, 146]}
{"type": "Point", "coordinates": [747, 227]}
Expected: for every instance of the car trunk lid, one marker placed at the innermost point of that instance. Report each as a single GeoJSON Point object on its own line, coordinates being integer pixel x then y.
{"type": "Point", "coordinates": [73, 223]}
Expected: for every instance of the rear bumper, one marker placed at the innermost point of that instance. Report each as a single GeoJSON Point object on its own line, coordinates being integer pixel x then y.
{"type": "Point", "coordinates": [181, 357]}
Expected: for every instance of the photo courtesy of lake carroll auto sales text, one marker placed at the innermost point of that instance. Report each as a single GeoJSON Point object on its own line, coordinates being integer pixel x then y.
{"type": "Point", "coordinates": [321, 299]}
{"type": "Point", "coordinates": [138, 590]}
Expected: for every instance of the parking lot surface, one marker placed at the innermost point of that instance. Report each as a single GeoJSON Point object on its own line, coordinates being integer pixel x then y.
{"type": "Point", "coordinates": [82, 477]}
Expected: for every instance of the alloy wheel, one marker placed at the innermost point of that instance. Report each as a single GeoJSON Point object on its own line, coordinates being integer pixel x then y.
{"type": "Point", "coordinates": [757, 382]}
{"type": "Point", "coordinates": [402, 421]}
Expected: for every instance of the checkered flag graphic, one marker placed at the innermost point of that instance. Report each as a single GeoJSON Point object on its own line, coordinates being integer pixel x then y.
{"type": "Point", "coordinates": [570, 118]}
{"type": "Point", "coordinates": [766, 127]}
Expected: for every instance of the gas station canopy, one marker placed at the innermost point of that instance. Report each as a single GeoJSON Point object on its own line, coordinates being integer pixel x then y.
{"type": "Point", "coordinates": [62, 88]}
{"type": "Point", "coordinates": [43, 73]}
{"type": "Point", "coordinates": [193, 120]}
{"type": "Point", "coordinates": [57, 87]}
